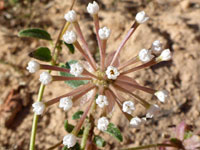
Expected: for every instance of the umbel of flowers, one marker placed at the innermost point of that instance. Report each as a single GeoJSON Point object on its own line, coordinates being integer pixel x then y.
{"type": "Point", "coordinates": [105, 79]}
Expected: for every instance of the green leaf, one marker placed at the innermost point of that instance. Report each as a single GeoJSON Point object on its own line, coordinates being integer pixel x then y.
{"type": "Point", "coordinates": [77, 115]}
{"type": "Point", "coordinates": [70, 47]}
{"type": "Point", "coordinates": [68, 127]}
{"type": "Point", "coordinates": [35, 33]}
{"type": "Point", "coordinates": [187, 135]}
{"type": "Point", "coordinates": [99, 141]}
{"type": "Point", "coordinates": [72, 83]}
{"type": "Point", "coordinates": [114, 131]}
{"type": "Point", "coordinates": [41, 53]}
{"type": "Point", "coordinates": [76, 147]}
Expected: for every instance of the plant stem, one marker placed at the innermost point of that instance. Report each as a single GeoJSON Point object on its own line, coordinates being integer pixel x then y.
{"type": "Point", "coordinates": [42, 87]}
{"type": "Point", "coordinates": [150, 146]}
{"type": "Point", "coordinates": [85, 135]}
{"type": "Point", "coordinates": [35, 119]}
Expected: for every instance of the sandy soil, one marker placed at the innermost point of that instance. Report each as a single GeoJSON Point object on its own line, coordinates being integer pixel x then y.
{"type": "Point", "coordinates": [176, 24]}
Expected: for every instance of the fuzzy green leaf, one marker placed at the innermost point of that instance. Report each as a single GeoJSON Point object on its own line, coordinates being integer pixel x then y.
{"type": "Point", "coordinates": [41, 53]}
{"type": "Point", "coordinates": [77, 115]}
{"type": "Point", "coordinates": [69, 127]}
{"type": "Point", "coordinates": [114, 131]}
{"type": "Point", "coordinates": [35, 33]}
{"type": "Point", "coordinates": [70, 47]}
{"type": "Point", "coordinates": [72, 83]}
{"type": "Point", "coordinates": [99, 141]}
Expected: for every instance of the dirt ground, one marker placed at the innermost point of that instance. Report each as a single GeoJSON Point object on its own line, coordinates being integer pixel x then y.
{"type": "Point", "coordinates": [175, 23]}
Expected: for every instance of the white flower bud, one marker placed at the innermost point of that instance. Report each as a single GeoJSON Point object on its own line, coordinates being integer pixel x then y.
{"type": "Point", "coordinates": [112, 72]}
{"type": "Point", "coordinates": [156, 47]}
{"type": "Point", "coordinates": [93, 8]}
{"type": "Point", "coordinates": [69, 140]}
{"type": "Point", "coordinates": [70, 37]}
{"type": "Point", "coordinates": [45, 78]}
{"type": "Point", "coordinates": [104, 33]}
{"type": "Point", "coordinates": [128, 107]}
{"type": "Point", "coordinates": [103, 124]}
{"type": "Point", "coordinates": [33, 66]}
{"type": "Point", "coordinates": [102, 101]}
{"type": "Point", "coordinates": [70, 16]}
{"type": "Point", "coordinates": [145, 55]}
{"type": "Point", "coordinates": [165, 55]}
{"type": "Point", "coordinates": [152, 111]}
{"type": "Point", "coordinates": [66, 103]}
{"type": "Point", "coordinates": [141, 17]}
{"type": "Point", "coordinates": [136, 121]}
{"type": "Point", "coordinates": [38, 108]}
{"type": "Point", "coordinates": [162, 95]}
{"type": "Point", "coordinates": [76, 69]}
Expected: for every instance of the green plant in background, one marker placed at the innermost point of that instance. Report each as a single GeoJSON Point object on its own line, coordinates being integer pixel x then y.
{"type": "Point", "coordinates": [96, 84]}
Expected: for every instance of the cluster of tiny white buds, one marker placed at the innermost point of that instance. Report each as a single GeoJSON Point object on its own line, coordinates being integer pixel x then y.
{"type": "Point", "coordinates": [66, 103]}
{"type": "Point", "coordinates": [103, 124]}
{"type": "Point", "coordinates": [162, 95]}
{"type": "Point", "coordinates": [104, 33]}
{"type": "Point", "coordinates": [136, 122]}
{"type": "Point", "coordinates": [70, 37]}
{"type": "Point", "coordinates": [71, 16]}
{"type": "Point", "coordinates": [38, 108]}
{"type": "Point", "coordinates": [128, 107]}
{"type": "Point", "coordinates": [152, 111]}
{"type": "Point", "coordinates": [112, 72]}
{"type": "Point", "coordinates": [145, 55]}
{"type": "Point", "coordinates": [76, 69]}
{"type": "Point", "coordinates": [101, 101]}
{"type": "Point", "coordinates": [69, 140]}
{"type": "Point", "coordinates": [165, 55]}
{"type": "Point", "coordinates": [33, 66]}
{"type": "Point", "coordinates": [156, 47]}
{"type": "Point", "coordinates": [93, 8]}
{"type": "Point", "coordinates": [45, 78]}
{"type": "Point", "coordinates": [141, 17]}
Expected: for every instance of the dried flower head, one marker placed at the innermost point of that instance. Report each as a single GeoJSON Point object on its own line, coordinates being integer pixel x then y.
{"type": "Point", "coordinates": [93, 8]}
{"type": "Point", "coordinates": [145, 55]}
{"type": "Point", "coordinates": [70, 37]}
{"type": "Point", "coordinates": [141, 17]}
{"type": "Point", "coordinates": [66, 103]}
{"type": "Point", "coordinates": [38, 108]}
{"type": "Point", "coordinates": [103, 124]}
{"type": "Point", "coordinates": [71, 16]}
{"type": "Point", "coordinates": [104, 33]}
{"type": "Point", "coordinates": [33, 66]}
{"type": "Point", "coordinates": [69, 140]}
{"type": "Point", "coordinates": [45, 78]}
{"type": "Point", "coordinates": [128, 107]}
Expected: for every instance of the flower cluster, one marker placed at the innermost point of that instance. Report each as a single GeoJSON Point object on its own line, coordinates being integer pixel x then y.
{"type": "Point", "coordinates": [107, 79]}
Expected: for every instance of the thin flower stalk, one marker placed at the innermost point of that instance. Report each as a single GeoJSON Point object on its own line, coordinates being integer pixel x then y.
{"type": "Point", "coordinates": [148, 64]}
{"type": "Point", "coordinates": [139, 99]}
{"type": "Point", "coordinates": [62, 78]}
{"type": "Point", "coordinates": [136, 86]}
{"type": "Point", "coordinates": [85, 45]}
{"type": "Point", "coordinates": [55, 68]}
{"type": "Point", "coordinates": [86, 55]}
{"type": "Point", "coordinates": [128, 63]}
{"type": "Point", "coordinates": [74, 92]}
{"type": "Point", "coordinates": [111, 94]}
{"type": "Point", "coordinates": [130, 32]}
{"type": "Point", "coordinates": [101, 44]}
{"type": "Point", "coordinates": [82, 119]}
